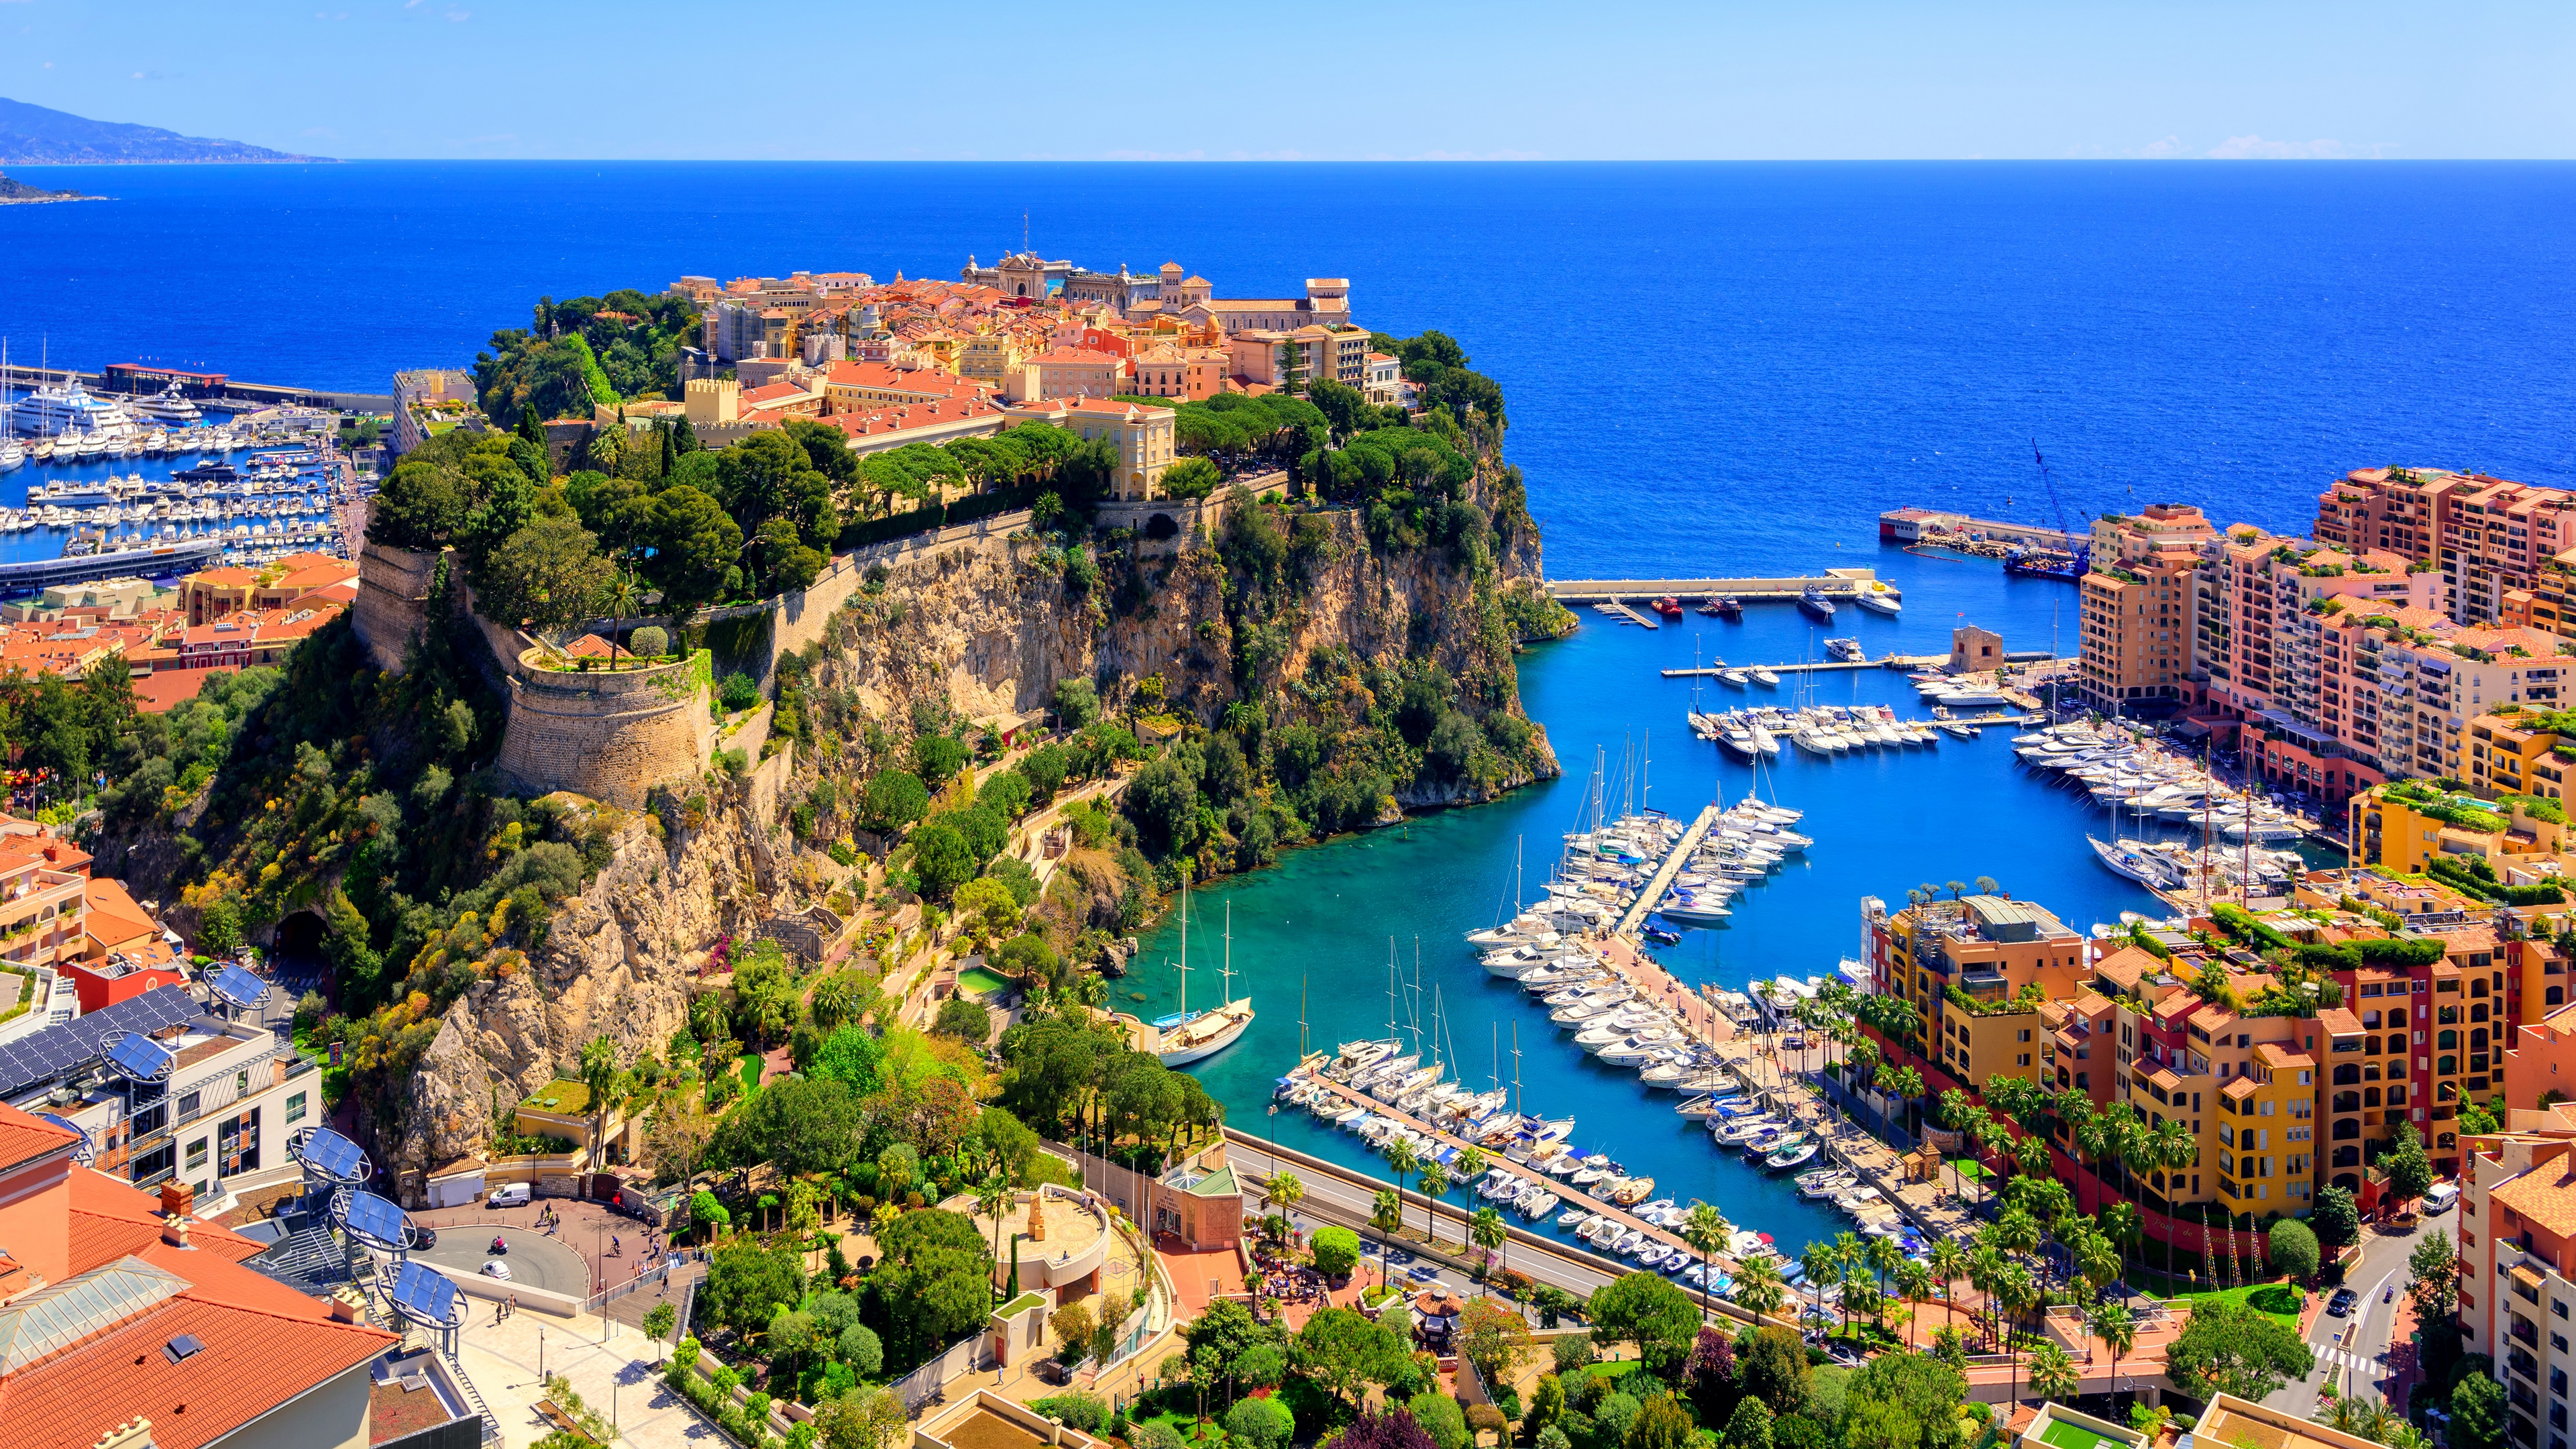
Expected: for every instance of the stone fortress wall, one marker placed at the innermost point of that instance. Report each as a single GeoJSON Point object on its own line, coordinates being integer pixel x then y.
{"type": "Point", "coordinates": [611, 737]}
{"type": "Point", "coordinates": [393, 601]}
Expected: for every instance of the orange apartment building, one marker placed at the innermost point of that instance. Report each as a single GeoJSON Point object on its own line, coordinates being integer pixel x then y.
{"type": "Point", "coordinates": [1977, 971]}
{"type": "Point", "coordinates": [2488, 536]}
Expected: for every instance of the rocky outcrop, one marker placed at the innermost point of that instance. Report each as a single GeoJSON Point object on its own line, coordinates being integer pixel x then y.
{"type": "Point", "coordinates": [618, 962]}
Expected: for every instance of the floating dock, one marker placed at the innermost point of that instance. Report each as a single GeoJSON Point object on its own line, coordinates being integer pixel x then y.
{"type": "Point", "coordinates": [1621, 612]}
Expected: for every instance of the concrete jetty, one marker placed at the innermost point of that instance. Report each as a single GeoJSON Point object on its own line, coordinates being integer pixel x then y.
{"type": "Point", "coordinates": [1833, 584]}
{"type": "Point", "coordinates": [1662, 879]}
{"type": "Point", "coordinates": [1819, 666]}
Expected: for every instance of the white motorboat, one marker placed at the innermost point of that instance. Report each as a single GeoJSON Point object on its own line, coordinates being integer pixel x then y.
{"type": "Point", "coordinates": [1765, 678]}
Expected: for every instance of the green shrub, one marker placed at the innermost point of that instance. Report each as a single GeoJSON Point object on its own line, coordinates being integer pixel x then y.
{"type": "Point", "coordinates": [1262, 1424]}
{"type": "Point", "coordinates": [652, 641]}
{"type": "Point", "coordinates": [737, 691]}
{"type": "Point", "coordinates": [1075, 1410]}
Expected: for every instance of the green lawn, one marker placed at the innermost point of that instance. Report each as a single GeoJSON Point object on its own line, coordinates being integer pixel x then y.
{"type": "Point", "coordinates": [2063, 1435]}
{"type": "Point", "coordinates": [2279, 1301]}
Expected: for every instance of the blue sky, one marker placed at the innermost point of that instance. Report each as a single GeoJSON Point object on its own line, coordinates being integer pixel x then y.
{"type": "Point", "coordinates": [1614, 79]}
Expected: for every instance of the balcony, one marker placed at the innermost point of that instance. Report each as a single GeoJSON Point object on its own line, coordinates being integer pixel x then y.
{"type": "Point", "coordinates": [2529, 1368]}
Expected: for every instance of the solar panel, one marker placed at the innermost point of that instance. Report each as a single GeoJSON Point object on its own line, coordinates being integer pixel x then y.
{"type": "Point", "coordinates": [334, 1156]}
{"type": "Point", "coordinates": [373, 1218]}
{"type": "Point", "coordinates": [140, 1058]}
{"type": "Point", "coordinates": [45, 1057]}
{"type": "Point", "coordinates": [69, 1126]}
{"type": "Point", "coordinates": [424, 1294]}
{"type": "Point", "coordinates": [238, 986]}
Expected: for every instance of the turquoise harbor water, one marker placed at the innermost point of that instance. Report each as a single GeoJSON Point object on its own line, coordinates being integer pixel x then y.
{"type": "Point", "coordinates": [1320, 923]}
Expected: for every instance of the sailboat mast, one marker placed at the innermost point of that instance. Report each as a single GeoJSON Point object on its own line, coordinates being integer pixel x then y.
{"type": "Point", "coordinates": [1516, 1066]}
{"type": "Point", "coordinates": [1185, 948]}
{"type": "Point", "coordinates": [1301, 1016]}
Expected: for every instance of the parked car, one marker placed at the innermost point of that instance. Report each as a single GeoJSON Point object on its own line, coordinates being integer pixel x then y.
{"type": "Point", "coordinates": [423, 1237]}
{"type": "Point", "coordinates": [495, 1268]}
{"type": "Point", "coordinates": [509, 1194]}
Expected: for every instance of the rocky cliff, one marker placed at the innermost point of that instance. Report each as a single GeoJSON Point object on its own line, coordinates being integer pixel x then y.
{"type": "Point", "coordinates": [1300, 620]}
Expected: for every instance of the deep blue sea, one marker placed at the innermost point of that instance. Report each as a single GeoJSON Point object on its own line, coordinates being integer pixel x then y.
{"type": "Point", "coordinates": [1711, 369]}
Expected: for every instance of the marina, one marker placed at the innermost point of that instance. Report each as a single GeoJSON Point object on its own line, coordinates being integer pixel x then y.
{"type": "Point", "coordinates": [149, 483]}
{"type": "Point", "coordinates": [1325, 912]}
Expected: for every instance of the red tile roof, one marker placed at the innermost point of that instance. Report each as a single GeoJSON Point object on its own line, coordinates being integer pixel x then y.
{"type": "Point", "coordinates": [24, 1137]}
{"type": "Point", "coordinates": [264, 1345]}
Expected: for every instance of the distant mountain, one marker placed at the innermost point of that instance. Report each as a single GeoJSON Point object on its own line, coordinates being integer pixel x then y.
{"type": "Point", "coordinates": [33, 135]}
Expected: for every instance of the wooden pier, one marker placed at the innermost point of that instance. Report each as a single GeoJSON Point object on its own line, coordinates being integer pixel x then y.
{"type": "Point", "coordinates": [1836, 584]}
{"type": "Point", "coordinates": [1662, 879]}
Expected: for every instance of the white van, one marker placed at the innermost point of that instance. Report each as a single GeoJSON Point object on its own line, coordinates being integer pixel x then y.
{"type": "Point", "coordinates": [2439, 1197]}
{"type": "Point", "coordinates": [509, 1194]}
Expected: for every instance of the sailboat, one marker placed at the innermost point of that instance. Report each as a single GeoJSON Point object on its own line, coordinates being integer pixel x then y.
{"type": "Point", "coordinates": [1188, 1036]}
{"type": "Point", "coordinates": [12, 452]}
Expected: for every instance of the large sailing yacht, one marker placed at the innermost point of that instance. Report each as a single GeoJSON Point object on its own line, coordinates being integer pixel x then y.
{"type": "Point", "coordinates": [1188, 1036]}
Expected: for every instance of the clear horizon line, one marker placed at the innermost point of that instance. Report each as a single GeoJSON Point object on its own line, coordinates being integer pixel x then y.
{"type": "Point", "coordinates": [1433, 160]}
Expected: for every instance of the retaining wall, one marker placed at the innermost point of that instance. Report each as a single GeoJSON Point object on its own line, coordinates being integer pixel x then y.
{"type": "Point", "coordinates": [610, 736]}
{"type": "Point", "coordinates": [393, 601]}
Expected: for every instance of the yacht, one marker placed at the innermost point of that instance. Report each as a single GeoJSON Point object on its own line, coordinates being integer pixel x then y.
{"type": "Point", "coordinates": [1879, 599]}
{"type": "Point", "coordinates": [70, 408]}
{"type": "Point", "coordinates": [1188, 1036]}
{"type": "Point", "coordinates": [1813, 601]}
{"type": "Point", "coordinates": [1765, 678]}
{"type": "Point", "coordinates": [168, 405]}
{"type": "Point", "coordinates": [1846, 649]}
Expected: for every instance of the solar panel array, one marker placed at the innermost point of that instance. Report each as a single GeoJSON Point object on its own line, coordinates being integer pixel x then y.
{"type": "Point", "coordinates": [43, 1058]}
{"type": "Point", "coordinates": [334, 1156]}
{"type": "Point", "coordinates": [374, 1218]}
{"type": "Point", "coordinates": [239, 986]}
{"type": "Point", "coordinates": [83, 1153]}
{"type": "Point", "coordinates": [424, 1295]}
{"type": "Point", "coordinates": [140, 1058]}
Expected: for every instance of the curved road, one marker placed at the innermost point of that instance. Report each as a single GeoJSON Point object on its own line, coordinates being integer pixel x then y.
{"type": "Point", "coordinates": [536, 1260]}
{"type": "Point", "coordinates": [2352, 1352]}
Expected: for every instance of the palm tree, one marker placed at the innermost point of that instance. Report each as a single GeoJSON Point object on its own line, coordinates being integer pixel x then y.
{"type": "Point", "coordinates": [992, 1195]}
{"type": "Point", "coordinates": [1823, 1266]}
{"type": "Point", "coordinates": [1472, 1163]}
{"type": "Point", "coordinates": [2097, 1260]}
{"type": "Point", "coordinates": [1400, 1156]}
{"type": "Point", "coordinates": [1386, 1214]}
{"type": "Point", "coordinates": [2052, 1373]}
{"type": "Point", "coordinates": [1914, 1285]}
{"type": "Point", "coordinates": [2111, 1322]}
{"type": "Point", "coordinates": [1758, 1289]}
{"type": "Point", "coordinates": [1486, 1230]}
{"type": "Point", "coordinates": [1884, 1256]}
{"type": "Point", "coordinates": [2016, 1231]}
{"type": "Point", "coordinates": [1433, 1185]}
{"type": "Point", "coordinates": [1851, 1258]}
{"type": "Point", "coordinates": [1907, 1084]}
{"type": "Point", "coordinates": [1949, 1264]}
{"type": "Point", "coordinates": [1985, 1271]}
{"type": "Point", "coordinates": [598, 1073]}
{"type": "Point", "coordinates": [2122, 1223]}
{"type": "Point", "coordinates": [1286, 1190]}
{"type": "Point", "coordinates": [2174, 1146]}
{"type": "Point", "coordinates": [2017, 1291]}
{"type": "Point", "coordinates": [1705, 1229]}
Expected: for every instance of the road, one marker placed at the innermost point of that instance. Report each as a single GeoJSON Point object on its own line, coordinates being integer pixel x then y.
{"type": "Point", "coordinates": [536, 1261]}
{"type": "Point", "coordinates": [2352, 1352]}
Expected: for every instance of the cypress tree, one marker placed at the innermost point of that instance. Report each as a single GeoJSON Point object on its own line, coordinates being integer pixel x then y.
{"type": "Point", "coordinates": [529, 427]}
{"type": "Point", "coordinates": [670, 444]}
{"type": "Point", "coordinates": [685, 436]}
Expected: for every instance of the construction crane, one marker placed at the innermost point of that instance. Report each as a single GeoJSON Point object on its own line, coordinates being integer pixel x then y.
{"type": "Point", "coordinates": [2079, 547]}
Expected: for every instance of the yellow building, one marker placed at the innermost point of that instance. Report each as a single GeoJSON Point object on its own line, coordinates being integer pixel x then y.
{"type": "Point", "coordinates": [2265, 1147]}
{"type": "Point", "coordinates": [2512, 753]}
{"type": "Point", "coordinates": [2403, 826]}
{"type": "Point", "coordinates": [989, 359]}
{"type": "Point", "coordinates": [1977, 969]}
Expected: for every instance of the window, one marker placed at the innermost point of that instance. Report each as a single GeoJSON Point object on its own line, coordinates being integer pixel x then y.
{"type": "Point", "coordinates": [241, 1083]}
{"type": "Point", "coordinates": [188, 1105]}
{"type": "Point", "coordinates": [196, 1154]}
{"type": "Point", "coordinates": [295, 1108]}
